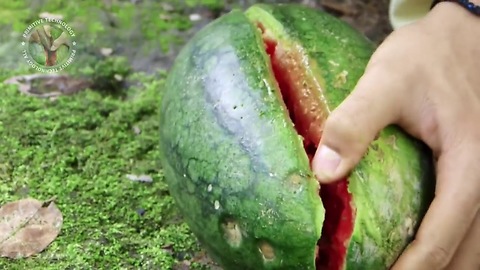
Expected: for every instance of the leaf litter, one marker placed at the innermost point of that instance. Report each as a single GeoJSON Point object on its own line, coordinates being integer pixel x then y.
{"type": "Point", "coordinates": [48, 85]}
{"type": "Point", "coordinates": [28, 226]}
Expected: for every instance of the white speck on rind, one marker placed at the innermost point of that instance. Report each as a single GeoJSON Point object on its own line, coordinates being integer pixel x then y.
{"type": "Point", "coordinates": [341, 78]}
{"type": "Point", "coordinates": [216, 204]}
{"type": "Point", "coordinates": [267, 252]}
{"type": "Point", "coordinates": [271, 174]}
{"type": "Point", "coordinates": [233, 233]}
{"type": "Point", "coordinates": [409, 226]}
{"type": "Point", "coordinates": [209, 188]}
{"type": "Point", "coordinates": [369, 248]}
{"type": "Point", "coordinates": [184, 175]}
{"type": "Point", "coordinates": [269, 89]}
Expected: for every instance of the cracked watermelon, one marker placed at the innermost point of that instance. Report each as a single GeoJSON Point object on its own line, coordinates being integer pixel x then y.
{"type": "Point", "coordinates": [241, 118]}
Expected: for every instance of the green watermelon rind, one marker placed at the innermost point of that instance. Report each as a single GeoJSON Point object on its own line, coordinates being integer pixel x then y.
{"type": "Point", "coordinates": [394, 163]}
{"type": "Point", "coordinates": [237, 168]}
{"type": "Point", "coordinates": [223, 119]}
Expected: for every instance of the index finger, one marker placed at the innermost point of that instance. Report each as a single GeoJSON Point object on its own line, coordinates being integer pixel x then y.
{"type": "Point", "coordinates": [450, 215]}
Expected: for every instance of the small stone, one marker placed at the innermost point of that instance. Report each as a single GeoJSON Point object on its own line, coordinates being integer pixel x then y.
{"type": "Point", "coordinates": [106, 51]}
{"type": "Point", "coordinates": [137, 130]}
{"type": "Point", "coordinates": [141, 211]}
{"type": "Point", "coordinates": [140, 178]}
{"type": "Point", "coordinates": [195, 17]}
{"type": "Point", "coordinates": [118, 77]}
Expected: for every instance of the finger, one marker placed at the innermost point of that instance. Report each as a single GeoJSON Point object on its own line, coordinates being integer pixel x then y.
{"type": "Point", "coordinates": [467, 256]}
{"type": "Point", "coordinates": [353, 125]}
{"type": "Point", "coordinates": [451, 213]}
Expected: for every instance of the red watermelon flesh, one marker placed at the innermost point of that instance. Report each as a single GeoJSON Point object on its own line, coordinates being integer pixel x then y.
{"type": "Point", "coordinates": [302, 98]}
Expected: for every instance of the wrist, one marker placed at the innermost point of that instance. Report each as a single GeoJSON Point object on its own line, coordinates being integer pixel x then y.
{"type": "Point", "coordinates": [455, 25]}
{"type": "Point", "coordinates": [452, 12]}
{"type": "Point", "coordinates": [473, 6]}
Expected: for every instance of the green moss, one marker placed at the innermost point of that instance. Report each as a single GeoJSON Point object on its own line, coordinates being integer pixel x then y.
{"type": "Point", "coordinates": [80, 148]}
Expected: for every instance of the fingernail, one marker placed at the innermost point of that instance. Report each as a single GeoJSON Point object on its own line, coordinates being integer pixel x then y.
{"type": "Point", "coordinates": [326, 162]}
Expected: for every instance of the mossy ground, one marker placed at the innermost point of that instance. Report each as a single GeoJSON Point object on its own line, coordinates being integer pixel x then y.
{"type": "Point", "coordinates": [80, 149]}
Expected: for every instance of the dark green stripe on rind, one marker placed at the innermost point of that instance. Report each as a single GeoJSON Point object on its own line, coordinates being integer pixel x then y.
{"type": "Point", "coordinates": [233, 161]}
{"type": "Point", "coordinates": [393, 185]}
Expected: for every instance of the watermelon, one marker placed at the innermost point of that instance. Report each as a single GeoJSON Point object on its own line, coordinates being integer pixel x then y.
{"type": "Point", "coordinates": [241, 118]}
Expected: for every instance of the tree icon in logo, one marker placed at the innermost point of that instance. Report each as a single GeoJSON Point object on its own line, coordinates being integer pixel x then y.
{"type": "Point", "coordinates": [49, 45]}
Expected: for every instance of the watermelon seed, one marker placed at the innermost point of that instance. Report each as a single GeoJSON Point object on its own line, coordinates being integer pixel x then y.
{"type": "Point", "coordinates": [209, 188]}
{"type": "Point", "coordinates": [216, 204]}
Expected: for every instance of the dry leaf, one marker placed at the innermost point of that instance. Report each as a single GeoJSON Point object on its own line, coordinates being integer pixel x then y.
{"type": "Point", "coordinates": [28, 226]}
{"type": "Point", "coordinates": [48, 85]}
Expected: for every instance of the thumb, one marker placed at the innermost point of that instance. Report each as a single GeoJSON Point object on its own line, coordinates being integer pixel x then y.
{"type": "Point", "coordinates": [353, 125]}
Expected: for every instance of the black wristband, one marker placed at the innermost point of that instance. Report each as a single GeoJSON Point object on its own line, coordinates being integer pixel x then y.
{"type": "Point", "coordinates": [474, 9]}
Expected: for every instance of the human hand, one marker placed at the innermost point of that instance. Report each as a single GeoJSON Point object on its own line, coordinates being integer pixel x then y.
{"type": "Point", "coordinates": [425, 78]}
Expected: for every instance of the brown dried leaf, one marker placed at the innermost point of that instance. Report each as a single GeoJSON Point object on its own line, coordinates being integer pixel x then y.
{"type": "Point", "coordinates": [48, 85]}
{"type": "Point", "coordinates": [28, 226]}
